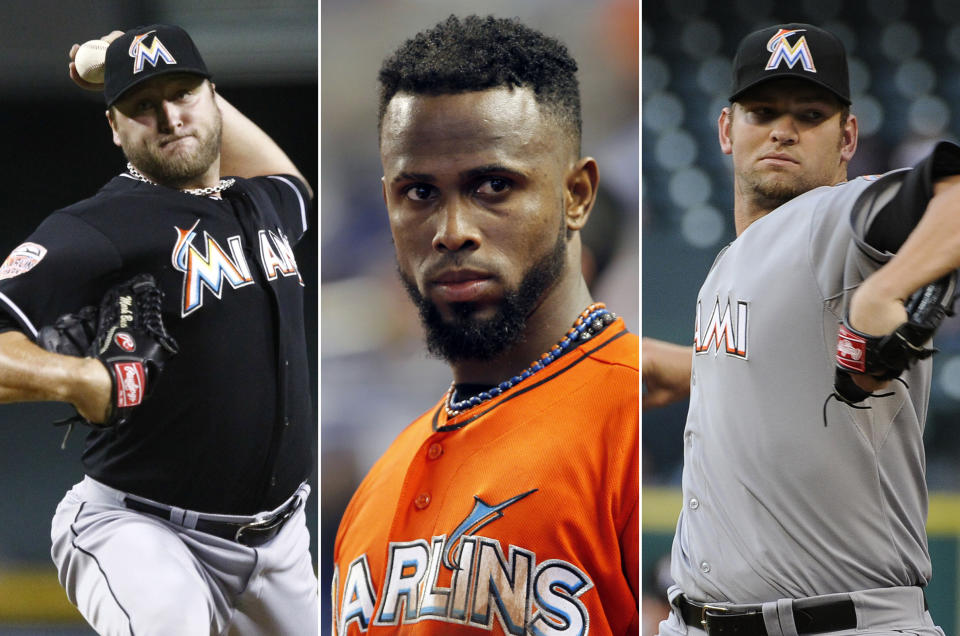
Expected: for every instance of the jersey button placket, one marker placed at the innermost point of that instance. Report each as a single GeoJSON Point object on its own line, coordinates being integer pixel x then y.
{"type": "Point", "coordinates": [694, 504]}
{"type": "Point", "coordinates": [434, 451]}
{"type": "Point", "coordinates": [422, 500]}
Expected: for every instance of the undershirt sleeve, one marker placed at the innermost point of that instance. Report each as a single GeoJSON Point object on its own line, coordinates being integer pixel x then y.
{"type": "Point", "coordinates": [892, 224]}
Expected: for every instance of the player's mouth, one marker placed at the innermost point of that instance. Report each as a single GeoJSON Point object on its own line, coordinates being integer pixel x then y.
{"type": "Point", "coordinates": [778, 159]}
{"type": "Point", "coordinates": [462, 286]}
{"type": "Point", "coordinates": [173, 140]}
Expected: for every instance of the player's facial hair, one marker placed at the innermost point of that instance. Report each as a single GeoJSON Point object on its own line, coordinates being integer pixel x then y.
{"type": "Point", "coordinates": [772, 193]}
{"type": "Point", "coordinates": [469, 338]}
{"type": "Point", "coordinates": [181, 169]}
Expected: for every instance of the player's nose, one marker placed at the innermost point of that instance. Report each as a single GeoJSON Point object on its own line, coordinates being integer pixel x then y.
{"type": "Point", "coordinates": [456, 229]}
{"type": "Point", "coordinates": [168, 116]}
{"type": "Point", "coordinates": [784, 130]}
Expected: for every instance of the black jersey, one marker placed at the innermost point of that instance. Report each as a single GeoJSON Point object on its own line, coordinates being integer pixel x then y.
{"type": "Point", "coordinates": [227, 428]}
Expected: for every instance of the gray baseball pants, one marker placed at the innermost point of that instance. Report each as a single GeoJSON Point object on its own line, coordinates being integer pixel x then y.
{"type": "Point", "coordinates": [132, 573]}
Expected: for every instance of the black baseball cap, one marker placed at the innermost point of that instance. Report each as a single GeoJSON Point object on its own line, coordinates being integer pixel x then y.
{"type": "Point", "coordinates": [146, 52]}
{"type": "Point", "coordinates": [791, 50]}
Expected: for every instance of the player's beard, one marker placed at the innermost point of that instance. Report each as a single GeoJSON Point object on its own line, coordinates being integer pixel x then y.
{"type": "Point", "coordinates": [466, 337]}
{"type": "Point", "coordinates": [772, 191]}
{"type": "Point", "coordinates": [179, 169]}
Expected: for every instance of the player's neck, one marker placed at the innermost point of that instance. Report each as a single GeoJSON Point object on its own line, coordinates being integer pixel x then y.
{"type": "Point", "coordinates": [746, 212]}
{"type": "Point", "coordinates": [546, 326]}
{"type": "Point", "coordinates": [748, 208]}
{"type": "Point", "coordinates": [208, 179]}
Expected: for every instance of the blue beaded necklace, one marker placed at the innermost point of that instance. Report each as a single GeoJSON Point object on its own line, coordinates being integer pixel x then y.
{"type": "Point", "coordinates": [590, 322]}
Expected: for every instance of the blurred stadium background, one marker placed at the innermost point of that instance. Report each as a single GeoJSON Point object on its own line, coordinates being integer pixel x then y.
{"type": "Point", "coordinates": [57, 150]}
{"type": "Point", "coordinates": [905, 85]}
{"type": "Point", "coordinates": [375, 376]}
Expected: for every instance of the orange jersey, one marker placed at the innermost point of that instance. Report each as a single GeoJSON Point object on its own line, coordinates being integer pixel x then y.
{"type": "Point", "coordinates": [517, 516]}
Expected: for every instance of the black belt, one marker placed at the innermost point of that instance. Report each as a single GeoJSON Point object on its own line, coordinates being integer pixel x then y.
{"type": "Point", "coordinates": [810, 618]}
{"type": "Point", "coordinates": [251, 534]}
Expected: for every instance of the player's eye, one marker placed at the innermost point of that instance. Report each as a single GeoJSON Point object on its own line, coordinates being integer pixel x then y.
{"type": "Point", "coordinates": [813, 115]}
{"type": "Point", "coordinates": [493, 186]}
{"type": "Point", "coordinates": [144, 105]}
{"type": "Point", "coordinates": [420, 192]}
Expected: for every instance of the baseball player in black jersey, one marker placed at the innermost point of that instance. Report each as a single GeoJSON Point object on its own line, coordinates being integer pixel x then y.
{"type": "Point", "coordinates": [189, 519]}
{"type": "Point", "coordinates": [803, 509]}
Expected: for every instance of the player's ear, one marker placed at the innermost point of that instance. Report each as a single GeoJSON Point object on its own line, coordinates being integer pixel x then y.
{"type": "Point", "coordinates": [723, 130]}
{"type": "Point", "coordinates": [113, 126]}
{"type": "Point", "coordinates": [580, 192]}
{"type": "Point", "coordinates": [848, 142]}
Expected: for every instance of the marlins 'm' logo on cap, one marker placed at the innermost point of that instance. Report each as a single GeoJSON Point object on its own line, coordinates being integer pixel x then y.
{"type": "Point", "coordinates": [141, 53]}
{"type": "Point", "coordinates": [782, 51]}
{"type": "Point", "coordinates": [156, 49]}
{"type": "Point", "coordinates": [786, 50]}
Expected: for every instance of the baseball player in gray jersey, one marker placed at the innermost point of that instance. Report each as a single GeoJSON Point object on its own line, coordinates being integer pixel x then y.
{"type": "Point", "coordinates": [804, 514]}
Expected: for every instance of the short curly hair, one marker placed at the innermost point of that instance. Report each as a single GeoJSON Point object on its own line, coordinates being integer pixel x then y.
{"type": "Point", "coordinates": [478, 53]}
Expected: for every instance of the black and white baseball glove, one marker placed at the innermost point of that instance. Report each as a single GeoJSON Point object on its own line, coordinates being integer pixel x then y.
{"type": "Point", "coordinates": [126, 333]}
{"type": "Point", "coordinates": [886, 357]}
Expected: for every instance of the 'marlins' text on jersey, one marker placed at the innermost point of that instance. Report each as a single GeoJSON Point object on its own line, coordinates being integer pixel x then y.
{"type": "Point", "coordinates": [724, 330]}
{"type": "Point", "coordinates": [466, 579]}
{"type": "Point", "coordinates": [212, 266]}
{"type": "Point", "coordinates": [525, 596]}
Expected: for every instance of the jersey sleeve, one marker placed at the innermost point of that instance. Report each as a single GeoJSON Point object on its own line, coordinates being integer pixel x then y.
{"type": "Point", "coordinates": [831, 240]}
{"type": "Point", "coordinates": [57, 270]}
{"type": "Point", "coordinates": [7, 323]}
{"type": "Point", "coordinates": [857, 226]}
{"type": "Point", "coordinates": [890, 224]}
{"type": "Point", "coordinates": [292, 201]}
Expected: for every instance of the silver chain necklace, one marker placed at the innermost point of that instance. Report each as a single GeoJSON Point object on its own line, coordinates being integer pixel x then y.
{"type": "Point", "coordinates": [200, 192]}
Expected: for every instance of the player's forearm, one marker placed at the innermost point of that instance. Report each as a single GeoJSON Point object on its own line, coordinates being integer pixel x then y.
{"type": "Point", "coordinates": [666, 369]}
{"type": "Point", "coordinates": [30, 374]}
{"type": "Point", "coordinates": [247, 151]}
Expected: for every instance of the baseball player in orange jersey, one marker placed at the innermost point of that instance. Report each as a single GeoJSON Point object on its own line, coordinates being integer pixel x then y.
{"type": "Point", "coordinates": [512, 505]}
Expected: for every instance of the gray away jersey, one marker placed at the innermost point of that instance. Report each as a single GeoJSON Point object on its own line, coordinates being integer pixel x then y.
{"type": "Point", "coordinates": [776, 503]}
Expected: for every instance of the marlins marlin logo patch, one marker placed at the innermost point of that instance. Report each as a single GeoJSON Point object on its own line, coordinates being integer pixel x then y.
{"type": "Point", "coordinates": [782, 51]}
{"type": "Point", "coordinates": [152, 54]}
{"type": "Point", "coordinates": [482, 514]}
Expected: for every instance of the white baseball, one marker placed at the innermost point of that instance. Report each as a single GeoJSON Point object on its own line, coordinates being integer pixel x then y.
{"type": "Point", "coordinates": [90, 59]}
